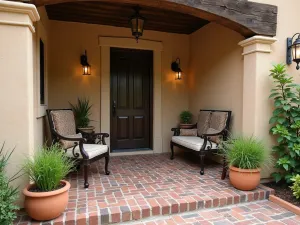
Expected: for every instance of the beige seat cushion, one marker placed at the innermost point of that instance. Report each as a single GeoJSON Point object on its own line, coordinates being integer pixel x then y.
{"type": "Point", "coordinates": [92, 150]}
{"type": "Point", "coordinates": [193, 143]}
{"type": "Point", "coordinates": [203, 122]}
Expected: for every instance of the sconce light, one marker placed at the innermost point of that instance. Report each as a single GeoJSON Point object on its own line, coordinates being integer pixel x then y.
{"type": "Point", "coordinates": [86, 68]}
{"type": "Point", "coordinates": [175, 66]}
{"type": "Point", "coordinates": [293, 50]}
{"type": "Point", "coordinates": [137, 23]}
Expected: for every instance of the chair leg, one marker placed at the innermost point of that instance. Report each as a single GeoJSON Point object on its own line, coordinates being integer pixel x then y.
{"type": "Point", "coordinates": [172, 150]}
{"type": "Point", "coordinates": [86, 174]}
{"type": "Point", "coordinates": [224, 172]}
{"type": "Point", "coordinates": [106, 164]}
{"type": "Point", "coordinates": [202, 155]}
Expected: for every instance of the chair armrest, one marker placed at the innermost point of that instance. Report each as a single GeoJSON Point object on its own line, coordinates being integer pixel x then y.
{"type": "Point", "coordinates": [176, 131]}
{"type": "Point", "coordinates": [83, 140]}
{"type": "Point", "coordinates": [101, 137]}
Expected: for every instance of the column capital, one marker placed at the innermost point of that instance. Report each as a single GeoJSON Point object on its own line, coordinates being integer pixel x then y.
{"type": "Point", "coordinates": [256, 44]}
{"type": "Point", "coordinates": [18, 14]}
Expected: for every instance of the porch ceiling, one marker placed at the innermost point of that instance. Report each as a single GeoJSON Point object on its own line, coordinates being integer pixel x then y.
{"type": "Point", "coordinates": [116, 14]}
{"type": "Point", "coordinates": [246, 17]}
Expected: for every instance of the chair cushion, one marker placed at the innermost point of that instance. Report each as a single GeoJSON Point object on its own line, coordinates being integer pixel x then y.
{"type": "Point", "coordinates": [193, 143]}
{"type": "Point", "coordinates": [203, 122]}
{"type": "Point", "coordinates": [64, 122]}
{"type": "Point", "coordinates": [68, 144]}
{"type": "Point", "coordinates": [215, 139]}
{"type": "Point", "coordinates": [188, 132]}
{"type": "Point", "coordinates": [92, 150]}
{"type": "Point", "coordinates": [218, 120]}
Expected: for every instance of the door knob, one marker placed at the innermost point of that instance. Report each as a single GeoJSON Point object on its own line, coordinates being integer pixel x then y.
{"type": "Point", "coordinates": [114, 105]}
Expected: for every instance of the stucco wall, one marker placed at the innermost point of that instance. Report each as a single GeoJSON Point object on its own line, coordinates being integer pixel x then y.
{"type": "Point", "coordinates": [66, 82]}
{"type": "Point", "coordinates": [216, 72]}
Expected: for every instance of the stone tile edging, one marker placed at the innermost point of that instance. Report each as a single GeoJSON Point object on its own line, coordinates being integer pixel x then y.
{"type": "Point", "coordinates": [285, 204]}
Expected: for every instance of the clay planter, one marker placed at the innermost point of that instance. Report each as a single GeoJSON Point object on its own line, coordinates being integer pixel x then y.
{"type": "Point", "coordinates": [186, 126]}
{"type": "Point", "coordinates": [244, 179]}
{"type": "Point", "coordinates": [89, 129]}
{"type": "Point", "coordinates": [46, 205]}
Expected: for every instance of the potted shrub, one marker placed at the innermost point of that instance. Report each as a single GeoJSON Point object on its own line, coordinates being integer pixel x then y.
{"type": "Point", "coordinates": [245, 156]}
{"type": "Point", "coordinates": [186, 120]}
{"type": "Point", "coordinates": [82, 111]}
{"type": "Point", "coordinates": [48, 196]}
{"type": "Point", "coordinates": [8, 194]}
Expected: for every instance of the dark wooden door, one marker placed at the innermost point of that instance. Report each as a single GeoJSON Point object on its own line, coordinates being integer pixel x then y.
{"type": "Point", "coordinates": [131, 99]}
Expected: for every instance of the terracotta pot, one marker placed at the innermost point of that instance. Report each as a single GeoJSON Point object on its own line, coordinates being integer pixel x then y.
{"type": "Point", "coordinates": [243, 179]}
{"type": "Point", "coordinates": [89, 129]}
{"type": "Point", "coordinates": [46, 205]}
{"type": "Point", "coordinates": [186, 126]}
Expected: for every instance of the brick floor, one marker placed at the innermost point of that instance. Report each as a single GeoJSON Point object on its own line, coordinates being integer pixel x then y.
{"type": "Point", "coordinates": [259, 212]}
{"type": "Point", "coordinates": [148, 185]}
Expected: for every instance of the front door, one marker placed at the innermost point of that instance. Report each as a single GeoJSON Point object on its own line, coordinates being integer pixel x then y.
{"type": "Point", "coordinates": [131, 99]}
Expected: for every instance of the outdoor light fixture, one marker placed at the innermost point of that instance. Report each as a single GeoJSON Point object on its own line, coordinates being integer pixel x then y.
{"type": "Point", "coordinates": [86, 68]}
{"type": "Point", "coordinates": [175, 66]}
{"type": "Point", "coordinates": [293, 50]}
{"type": "Point", "coordinates": [137, 24]}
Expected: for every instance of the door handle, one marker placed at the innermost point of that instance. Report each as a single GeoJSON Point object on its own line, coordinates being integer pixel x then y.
{"type": "Point", "coordinates": [114, 105]}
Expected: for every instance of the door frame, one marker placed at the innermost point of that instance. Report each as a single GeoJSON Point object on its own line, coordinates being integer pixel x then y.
{"type": "Point", "coordinates": [105, 43]}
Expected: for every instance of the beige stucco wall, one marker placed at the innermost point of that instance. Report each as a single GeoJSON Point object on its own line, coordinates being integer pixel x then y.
{"type": "Point", "coordinates": [69, 40]}
{"type": "Point", "coordinates": [216, 72]}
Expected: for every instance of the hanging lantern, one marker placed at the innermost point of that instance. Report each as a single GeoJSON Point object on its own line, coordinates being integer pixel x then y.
{"type": "Point", "coordinates": [137, 24]}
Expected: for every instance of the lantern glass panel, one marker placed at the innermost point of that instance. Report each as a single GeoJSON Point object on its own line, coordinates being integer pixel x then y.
{"type": "Point", "coordinates": [296, 52]}
{"type": "Point", "coordinates": [86, 70]}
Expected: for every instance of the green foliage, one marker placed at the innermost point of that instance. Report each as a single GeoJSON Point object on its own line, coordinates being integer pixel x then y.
{"type": "Point", "coordinates": [285, 123]}
{"type": "Point", "coordinates": [186, 117]}
{"type": "Point", "coordinates": [48, 167]}
{"type": "Point", "coordinates": [296, 186]}
{"type": "Point", "coordinates": [8, 195]}
{"type": "Point", "coordinates": [82, 112]}
{"type": "Point", "coordinates": [245, 152]}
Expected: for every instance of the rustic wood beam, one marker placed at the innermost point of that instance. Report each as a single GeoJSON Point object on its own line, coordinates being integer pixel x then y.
{"type": "Point", "coordinates": [246, 17]}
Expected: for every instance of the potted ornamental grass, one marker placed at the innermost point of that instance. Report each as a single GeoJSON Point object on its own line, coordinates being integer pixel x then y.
{"type": "Point", "coordinates": [82, 112]}
{"type": "Point", "coordinates": [245, 157]}
{"type": "Point", "coordinates": [47, 197]}
{"type": "Point", "coordinates": [186, 120]}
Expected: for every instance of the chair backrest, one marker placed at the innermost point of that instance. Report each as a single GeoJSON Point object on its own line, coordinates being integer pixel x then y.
{"type": "Point", "coordinates": [61, 121]}
{"type": "Point", "coordinates": [217, 120]}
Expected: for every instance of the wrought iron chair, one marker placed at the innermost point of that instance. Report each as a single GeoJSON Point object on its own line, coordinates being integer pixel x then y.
{"type": "Point", "coordinates": [74, 142]}
{"type": "Point", "coordinates": [211, 128]}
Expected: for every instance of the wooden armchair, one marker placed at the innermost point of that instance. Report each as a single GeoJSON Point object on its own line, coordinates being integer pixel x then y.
{"type": "Point", "coordinates": [74, 142]}
{"type": "Point", "coordinates": [211, 128]}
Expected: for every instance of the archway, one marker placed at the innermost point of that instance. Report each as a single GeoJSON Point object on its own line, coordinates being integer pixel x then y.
{"type": "Point", "coordinates": [247, 18]}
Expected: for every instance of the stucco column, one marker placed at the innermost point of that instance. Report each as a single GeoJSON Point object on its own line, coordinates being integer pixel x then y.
{"type": "Point", "coordinates": [17, 81]}
{"type": "Point", "coordinates": [256, 85]}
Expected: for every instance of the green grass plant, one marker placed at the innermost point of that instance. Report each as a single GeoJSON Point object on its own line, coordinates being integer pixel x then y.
{"type": "Point", "coordinates": [82, 112]}
{"type": "Point", "coordinates": [245, 152]}
{"type": "Point", "coordinates": [48, 167]}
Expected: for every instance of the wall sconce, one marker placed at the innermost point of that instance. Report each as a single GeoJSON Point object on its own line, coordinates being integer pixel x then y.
{"type": "Point", "coordinates": [293, 50]}
{"type": "Point", "coordinates": [175, 66]}
{"type": "Point", "coordinates": [86, 68]}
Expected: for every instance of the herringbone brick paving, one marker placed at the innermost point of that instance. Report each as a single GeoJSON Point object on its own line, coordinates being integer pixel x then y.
{"type": "Point", "coordinates": [147, 185]}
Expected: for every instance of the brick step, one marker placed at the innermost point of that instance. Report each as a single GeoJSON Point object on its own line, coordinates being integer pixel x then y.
{"type": "Point", "coordinates": [257, 212]}
{"type": "Point", "coordinates": [157, 207]}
